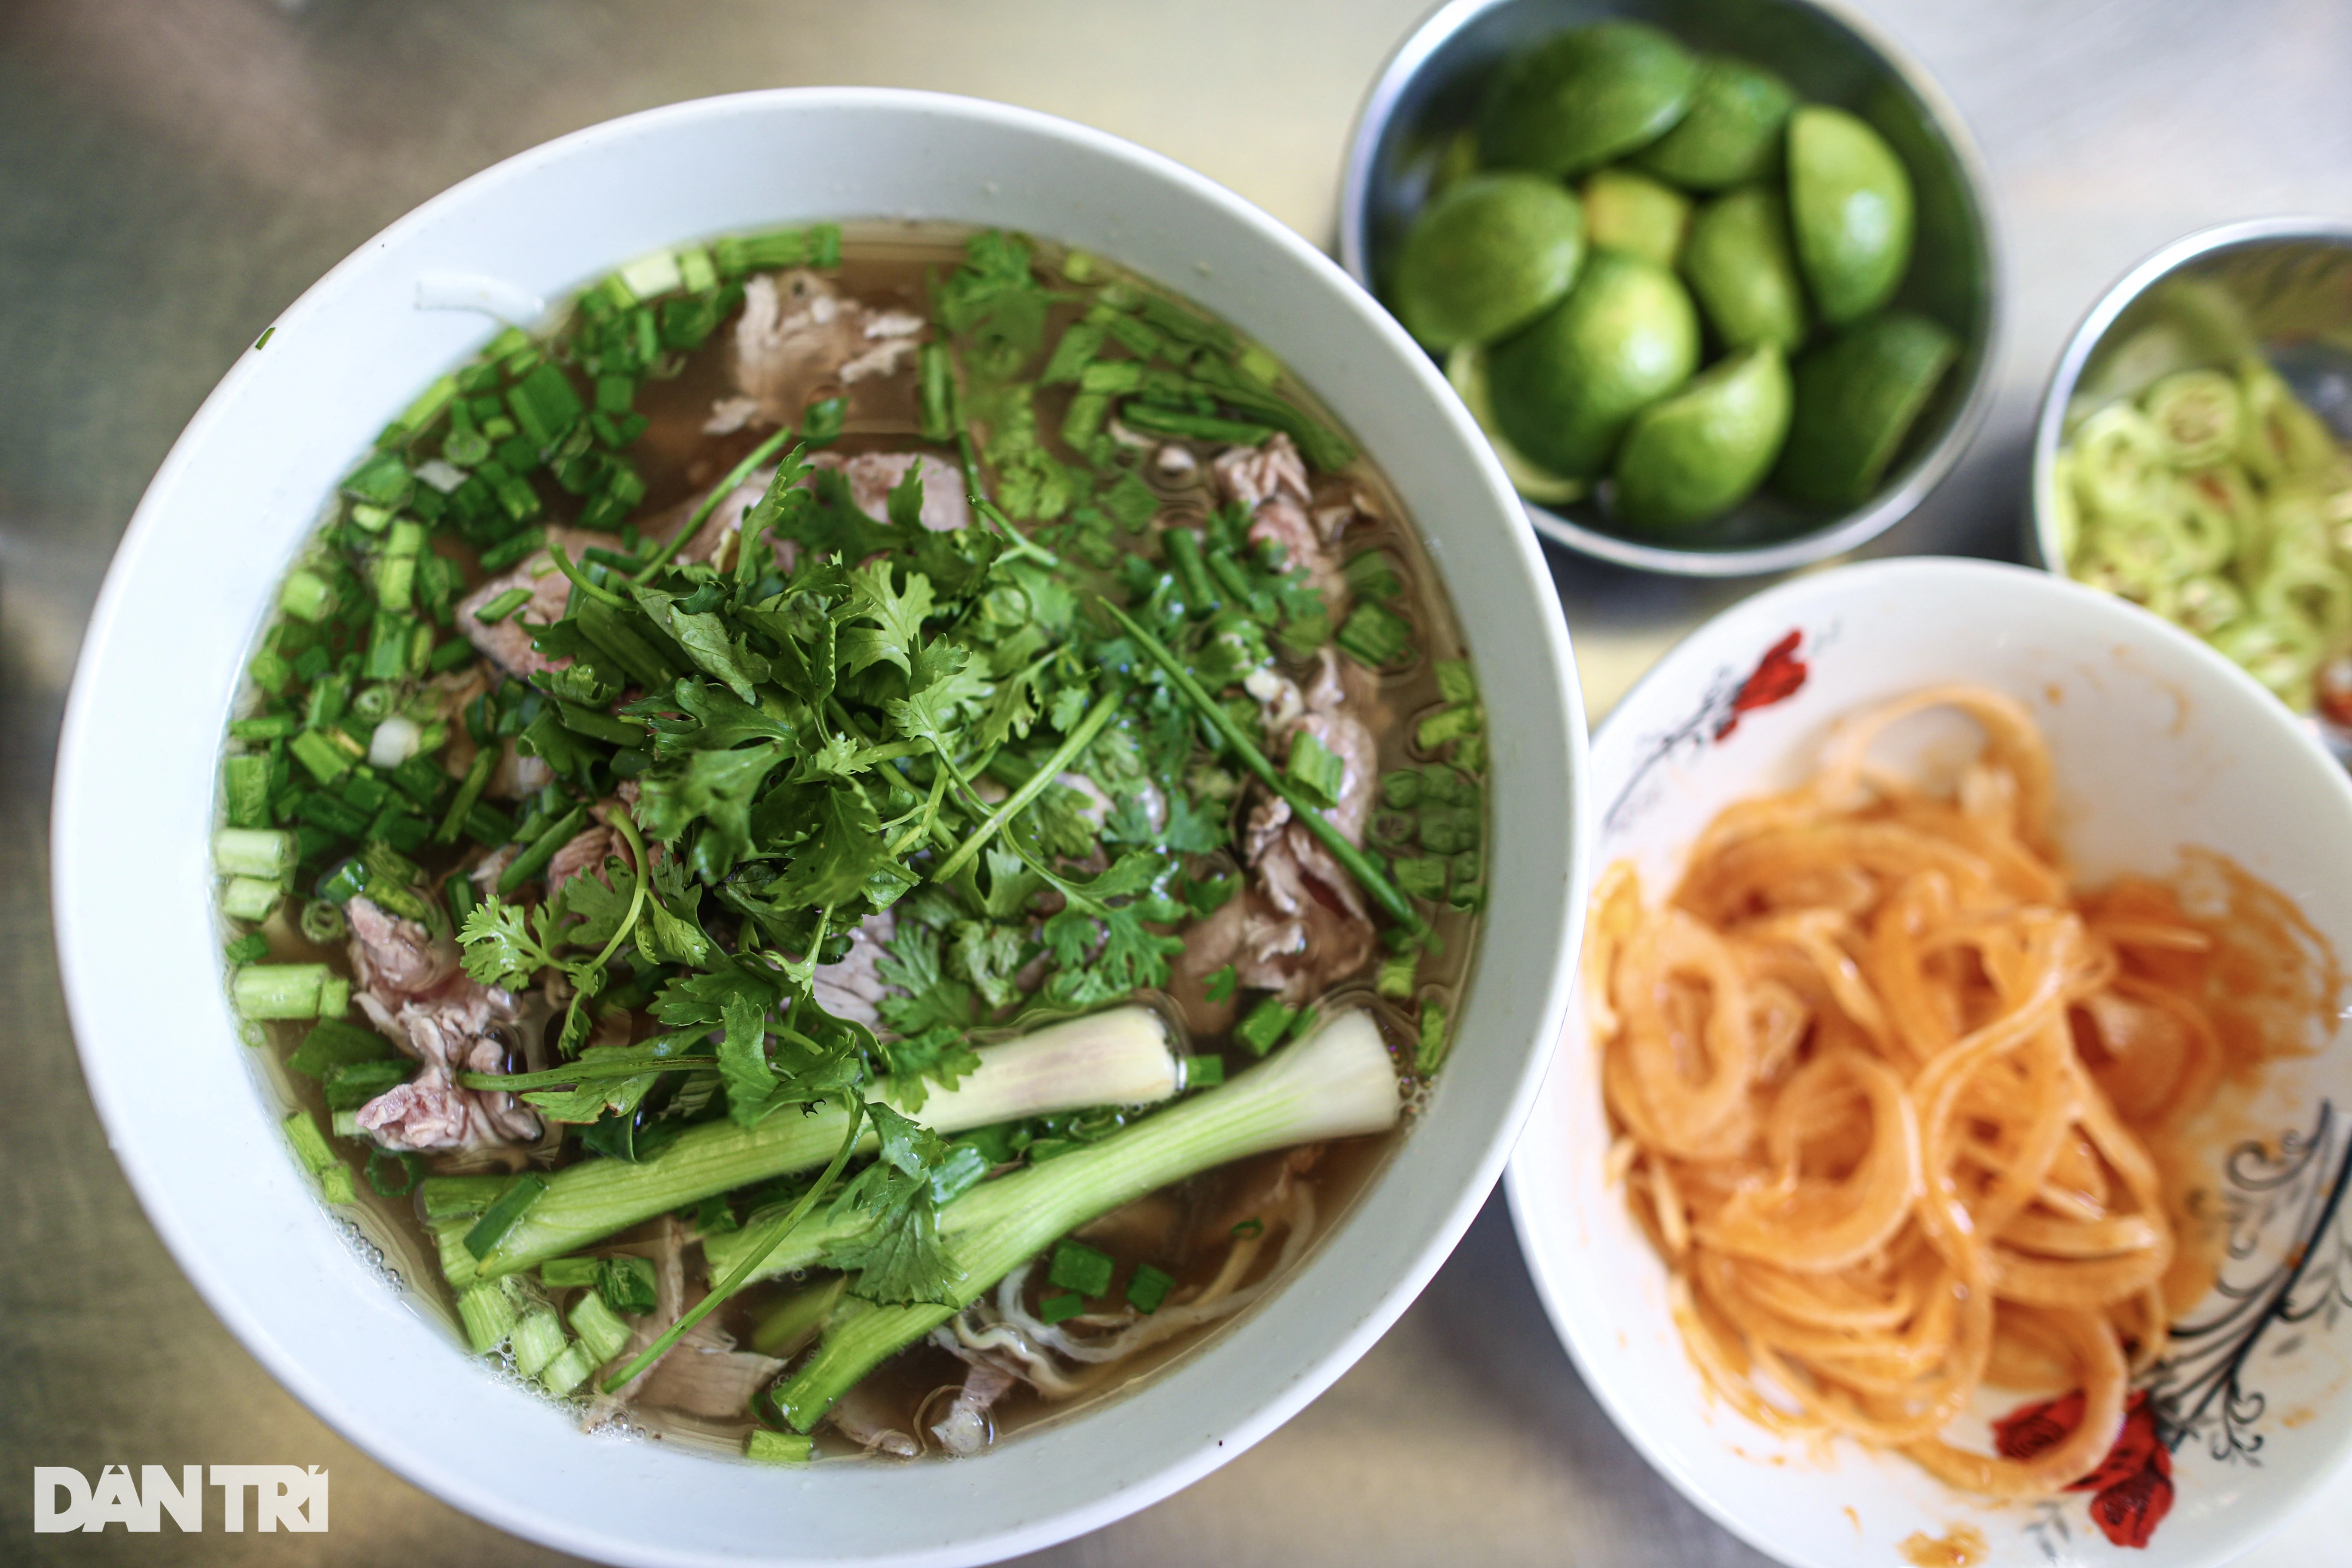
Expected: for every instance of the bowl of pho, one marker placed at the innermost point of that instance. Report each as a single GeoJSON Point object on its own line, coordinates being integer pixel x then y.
{"type": "Point", "coordinates": [829, 800]}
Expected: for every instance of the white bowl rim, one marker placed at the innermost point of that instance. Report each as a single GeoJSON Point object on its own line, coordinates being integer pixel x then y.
{"type": "Point", "coordinates": [74, 839]}
{"type": "Point", "coordinates": [1580, 1337]}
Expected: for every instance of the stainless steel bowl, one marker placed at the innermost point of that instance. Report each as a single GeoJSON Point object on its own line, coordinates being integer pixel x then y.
{"type": "Point", "coordinates": [1431, 89]}
{"type": "Point", "coordinates": [2280, 288]}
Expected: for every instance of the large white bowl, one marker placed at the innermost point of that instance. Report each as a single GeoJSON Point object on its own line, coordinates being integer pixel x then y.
{"type": "Point", "coordinates": [189, 591]}
{"type": "Point", "coordinates": [2158, 742]}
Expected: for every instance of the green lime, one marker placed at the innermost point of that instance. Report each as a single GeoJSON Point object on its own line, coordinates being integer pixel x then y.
{"type": "Point", "coordinates": [1491, 253]}
{"type": "Point", "coordinates": [1465, 367]}
{"type": "Point", "coordinates": [1850, 205]}
{"type": "Point", "coordinates": [1739, 265]}
{"type": "Point", "coordinates": [1732, 131]}
{"type": "Point", "coordinates": [1698, 453]}
{"type": "Point", "coordinates": [1564, 387]}
{"type": "Point", "coordinates": [1584, 97]}
{"type": "Point", "coordinates": [1634, 214]}
{"type": "Point", "coordinates": [1857, 396]}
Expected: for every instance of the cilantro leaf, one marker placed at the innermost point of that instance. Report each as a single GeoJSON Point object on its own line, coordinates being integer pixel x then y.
{"type": "Point", "coordinates": [722, 721]}
{"type": "Point", "coordinates": [900, 617]}
{"type": "Point", "coordinates": [842, 847]}
{"type": "Point", "coordinates": [704, 638]}
{"type": "Point", "coordinates": [987, 956]}
{"type": "Point", "coordinates": [1192, 830]}
{"type": "Point", "coordinates": [597, 909]}
{"type": "Point", "coordinates": [900, 1259]}
{"type": "Point", "coordinates": [743, 1056]}
{"type": "Point", "coordinates": [500, 949]}
{"type": "Point", "coordinates": [925, 997]}
{"type": "Point", "coordinates": [713, 787]}
{"type": "Point", "coordinates": [945, 684]}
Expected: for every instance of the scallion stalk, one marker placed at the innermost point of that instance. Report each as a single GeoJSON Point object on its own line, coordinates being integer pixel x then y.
{"type": "Point", "coordinates": [1118, 1057]}
{"type": "Point", "coordinates": [1336, 1083]}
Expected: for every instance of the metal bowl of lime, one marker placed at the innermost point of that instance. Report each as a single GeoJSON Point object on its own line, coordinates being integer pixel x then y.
{"type": "Point", "coordinates": [1718, 278]}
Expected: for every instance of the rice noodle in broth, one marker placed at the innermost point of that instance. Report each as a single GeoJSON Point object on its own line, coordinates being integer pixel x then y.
{"type": "Point", "coordinates": [849, 744]}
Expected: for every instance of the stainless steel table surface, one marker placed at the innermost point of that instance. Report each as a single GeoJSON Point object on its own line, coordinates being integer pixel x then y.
{"type": "Point", "coordinates": [173, 173]}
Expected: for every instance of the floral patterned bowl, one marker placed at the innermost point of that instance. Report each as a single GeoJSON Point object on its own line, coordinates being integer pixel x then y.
{"type": "Point", "coordinates": [2159, 744]}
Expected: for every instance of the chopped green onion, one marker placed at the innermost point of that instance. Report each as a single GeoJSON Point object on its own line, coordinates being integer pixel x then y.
{"type": "Point", "coordinates": [278, 990]}
{"type": "Point", "coordinates": [245, 789]}
{"type": "Point", "coordinates": [269, 727]}
{"type": "Point", "coordinates": [500, 1216]}
{"type": "Point", "coordinates": [1315, 769]}
{"type": "Point", "coordinates": [507, 552]}
{"type": "Point", "coordinates": [538, 1339]}
{"type": "Point", "coordinates": [451, 654]}
{"type": "Point", "coordinates": [534, 859]}
{"type": "Point", "coordinates": [768, 1448]}
{"type": "Point", "coordinates": [788, 1325]}
{"type": "Point", "coordinates": [459, 1197]}
{"type": "Point", "coordinates": [469, 792]}
{"type": "Point", "coordinates": [1183, 547]}
{"type": "Point", "coordinates": [332, 1044]}
{"type": "Point", "coordinates": [505, 605]}
{"type": "Point", "coordinates": [354, 1084]}
{"type": "Point", "coordinates": [1266, 1026]}
{"type": "Point", "coordinates": [1396, 975]}
{"type": "Point", "coordinates": [487, 1308]}
{"type": "Point", "coordinates": [1422, 876]}
{"type": "Point", "coordinates": [384, 480]}
{"type": "Point", "coordinates": [310, 1144]}
{"type": "Point", "coordinates": [1148, 1288]}
{"type": "Point", "coordinates": [458, 894]}
{"type": "Point", "coordinates": [603, 1334]}
{"type": "Point", "coordinates": [1375, 635]}
{"type": "Point", "coordinates": [382, 1162]}
{"type": "Point", "coordinates": [570, 1369]}
{"type": "Point", "coordinates": [1373, 575]}
{"type": "Point", "coordinates": [1447, 724]}
{"type": "Point", "coordinates": [1430, 1049]}
{"type": "Point", "coordinates": [326, 761]}
{"type": "Point", "coordinates": [569, 1273]}
{"type": "Point", "coordinates": [1153, 419]}
{"type": "Point", "coordinates": [246, 948]}
{"type": "Point", "coordinates": [249, 899]}
{"type": "Point", "coordinates": [268, 853]}
{"type": "Point", "coordinates": [1249, 1230]}
{"type": "Point", "coordinates": [334, 996]}
{"type": "Point", "coordinates": [1204, 1072]}
{"type": "Point", "coordinates": [1061, 1309]}
{"type": "Point", "coordinates": [628, 1285]}
{"type": "Point", "coordinates": [1455, 682]}
{"type": "Point", "coordinates": [1080, 1268]}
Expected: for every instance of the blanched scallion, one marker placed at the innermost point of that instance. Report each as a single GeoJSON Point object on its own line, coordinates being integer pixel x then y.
{"type": "Point", "coordinates": [1118, 1057]}
{"type": "Point", "coordinates": [1336, 1083]}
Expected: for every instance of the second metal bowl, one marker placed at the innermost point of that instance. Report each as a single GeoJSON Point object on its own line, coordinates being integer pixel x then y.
{"type": "Point", "coordinates": [1431, 89]}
